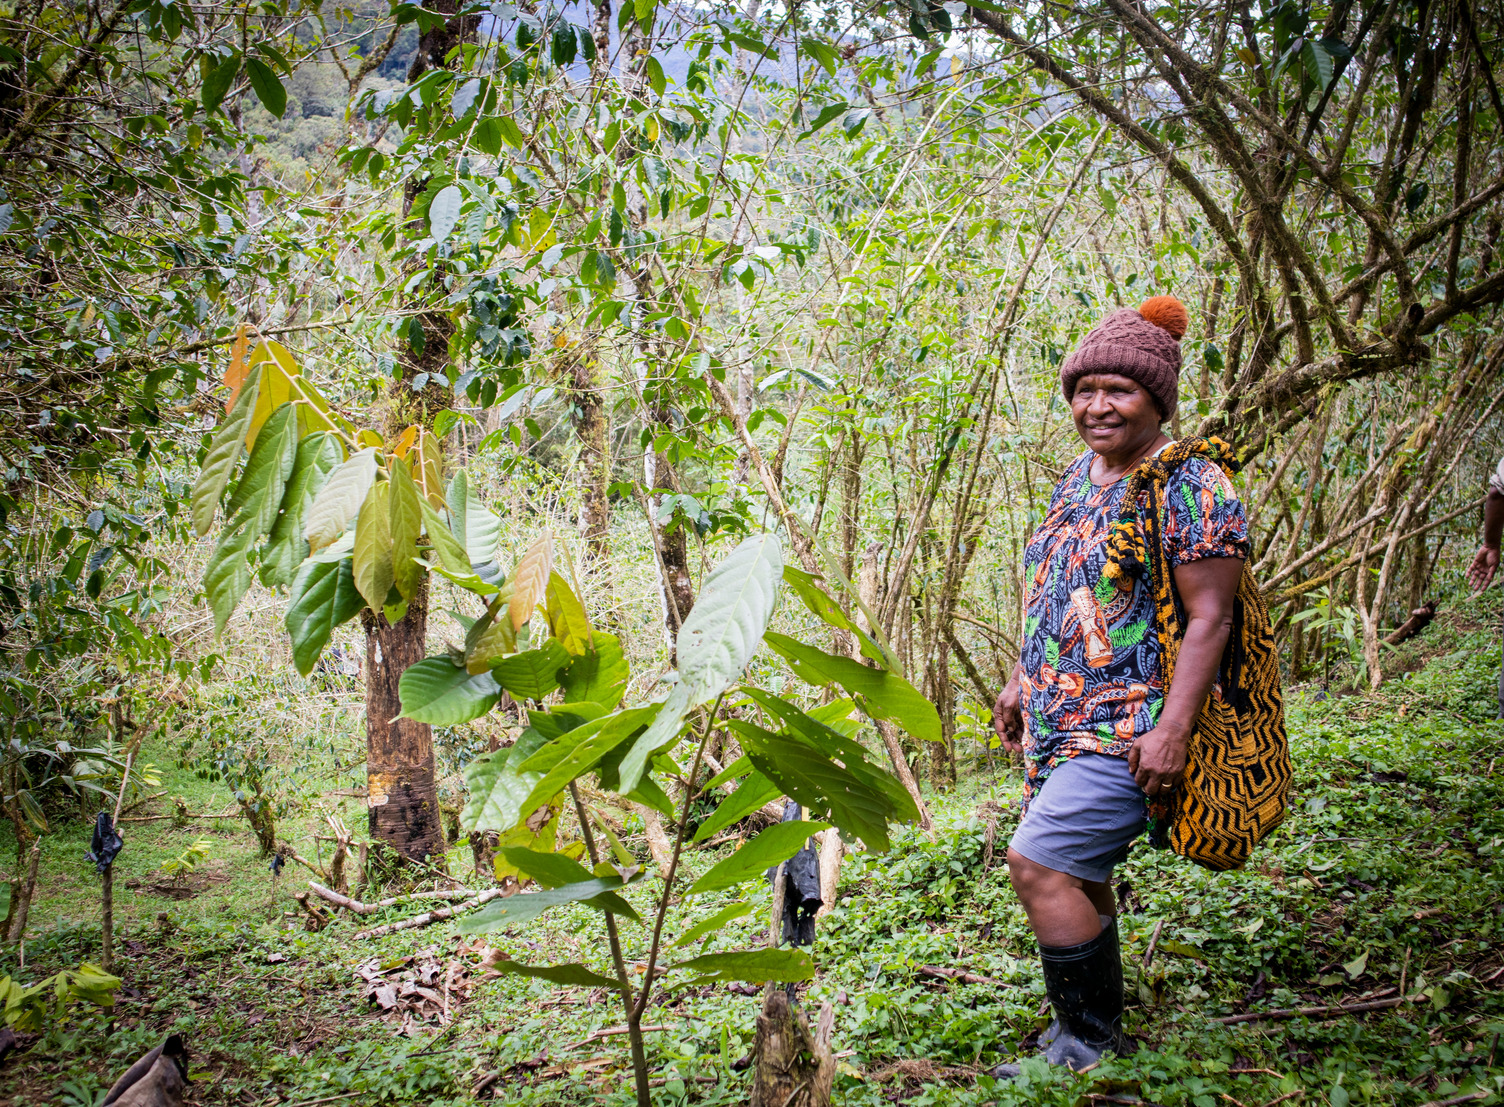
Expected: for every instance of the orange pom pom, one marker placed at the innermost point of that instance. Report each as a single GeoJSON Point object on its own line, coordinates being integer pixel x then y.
{"type": "Point", "coordinates": [1166, 312]}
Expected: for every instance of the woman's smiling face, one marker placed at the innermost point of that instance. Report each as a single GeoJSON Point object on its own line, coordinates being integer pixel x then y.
{"type": "Point", "coordinates": [1114, 415]}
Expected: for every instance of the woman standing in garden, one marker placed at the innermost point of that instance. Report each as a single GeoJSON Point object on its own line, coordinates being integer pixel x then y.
{"type": "Point", "coordinates": [1104, 735]}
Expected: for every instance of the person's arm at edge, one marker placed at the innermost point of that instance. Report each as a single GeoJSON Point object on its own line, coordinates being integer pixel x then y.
{"type": "Point", "coordinates": [1207, 589]}
{"type": "Point", "coordinates": [1480, 573]}
{"type": "Point", "coordinates": [1007, 713]}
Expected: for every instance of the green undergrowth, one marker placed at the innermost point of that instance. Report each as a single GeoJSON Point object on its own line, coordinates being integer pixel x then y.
{"type": "Point", "coordinates": [1386, 873]}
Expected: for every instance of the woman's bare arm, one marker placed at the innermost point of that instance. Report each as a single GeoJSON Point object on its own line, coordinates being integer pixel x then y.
{"type": "Point", "coordinates": [1207, 589]}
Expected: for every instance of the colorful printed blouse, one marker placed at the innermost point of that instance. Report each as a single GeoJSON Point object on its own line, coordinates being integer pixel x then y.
{"type": "Point", "coordinates": [1091, 660]}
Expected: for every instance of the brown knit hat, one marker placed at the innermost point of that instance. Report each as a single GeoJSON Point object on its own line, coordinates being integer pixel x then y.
{"type": "Point", "coordinates": [1143, 345]}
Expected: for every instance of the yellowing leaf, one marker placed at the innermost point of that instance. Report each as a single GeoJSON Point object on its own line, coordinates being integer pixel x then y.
{"type": "Point", "coordinates": [405, 441]}
{"type": "Point", "coordinates": [278, 368]}
{"type": "Point", "coordinates": [531, 579]}
{"type": "Point", "coordinates": [428, 469]}
{"type": "Point", "coordinates": [235, 374]}
{"type": "Point", "coordinates": [406, 519]}
{"type": "Point", "coordinates": [313, 410]}
{"type": "Point", "coordinates": [566, 617]}
{"type": "Point", "coordinates": [369, 438]}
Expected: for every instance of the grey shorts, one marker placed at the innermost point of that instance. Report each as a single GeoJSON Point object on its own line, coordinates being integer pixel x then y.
{"type": "Point", "coordinates": [1084, 818]}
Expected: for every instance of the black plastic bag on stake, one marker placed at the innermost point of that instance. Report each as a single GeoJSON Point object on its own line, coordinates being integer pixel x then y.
{"type": "Point", "coordinates": [105, 844]}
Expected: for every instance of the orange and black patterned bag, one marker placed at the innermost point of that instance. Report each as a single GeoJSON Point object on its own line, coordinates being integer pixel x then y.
{"type": "Point", "coordinates": [1237, 780]}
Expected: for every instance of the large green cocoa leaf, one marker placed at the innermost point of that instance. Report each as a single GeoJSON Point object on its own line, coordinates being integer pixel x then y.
{"type": "Point", "coordinates": [882, 694]}
{"type": "Point", "coordinates": [440, 693]}
{"type": "Point", "coordinates": [476, 527]}
{"type": "Point", "coordinates": [570, 975]}
{"type": "Point", "coordinates": [452, 555]}
{"type": "Point", "coordinates": [554, 870]}
{"type": "Point", "coordinates": [664, 732]}
{"type": "Point", "coordinates": [750, 794]}
{"type": "Point", "coordinates": [318, 455]}
{"type": "Point", "coordinates": [373, 555]}
{"type": "Point", "coordinates": [227, 576]}
{"type": "Point", "coordinates": [598, 675]}
{"type": "Point", "coordinates": [527, 906]}
{"type": "Point", "coordinates": [729, 618]}
{"type": "Point", "coordinates": [532, 674]}
{"type": "Point", "coordinates": [258, 494]}
{"type": "Point", "coordinates": [773, 846]}
{"type": "Point", "coordinates": [495, 787]}
{"type": "Point", "coordinates": [323, 597]}
{"type": "Point", "coordinates": [578, 751]}
{"type": "Point", "coordinates": [754, 966]}
{"type": "Point", "coordinates": [340, 499]}
{"type": "Point", "coordinates": [405, 521]}
{"type": "Point", "coordinates": [224, 452]}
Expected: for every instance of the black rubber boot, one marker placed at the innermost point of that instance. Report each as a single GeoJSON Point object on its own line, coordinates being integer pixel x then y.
{"type": "Point", "coordinates": [1085, 986]}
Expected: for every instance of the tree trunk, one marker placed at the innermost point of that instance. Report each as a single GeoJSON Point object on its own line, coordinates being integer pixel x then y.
{"type": "Point", "coordinates": [22, 888]}
{"type": "Point", "coordinates": [590, 426]}
{"type": "Point", "coordinates": [871, 588]}
{"type": "Point", "coordinates": [832, 850]}
{"type": "Point", "coordinates": [401, 797]}
{"type": "Point", "coordinates": [795, 1067]}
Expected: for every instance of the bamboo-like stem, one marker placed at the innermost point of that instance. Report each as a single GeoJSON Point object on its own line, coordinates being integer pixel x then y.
{"type": "Point", "coordinates": [634, 1017]}
{"type": "Point", "coordinates": [673, 868]}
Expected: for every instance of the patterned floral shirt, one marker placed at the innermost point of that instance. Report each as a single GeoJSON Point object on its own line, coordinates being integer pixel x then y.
{"type": "Point", "coordinates": [1091, 660]}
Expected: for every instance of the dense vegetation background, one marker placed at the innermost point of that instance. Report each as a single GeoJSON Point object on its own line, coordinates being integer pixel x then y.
{"type": "Point", "coordinates": [662, 277]}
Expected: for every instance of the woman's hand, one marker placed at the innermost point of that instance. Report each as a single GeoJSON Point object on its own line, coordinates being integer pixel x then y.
{"type": "Point", "coordinates": [1008, 716]}
{"type": "Point", "coordinates": [1480, 573]}
{"type": "Point", "coordinates": [1157, 760]}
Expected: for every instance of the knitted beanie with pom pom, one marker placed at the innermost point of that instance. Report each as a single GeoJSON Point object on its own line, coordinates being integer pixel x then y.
{"type": "Point", "coordinates": [1143, 345]}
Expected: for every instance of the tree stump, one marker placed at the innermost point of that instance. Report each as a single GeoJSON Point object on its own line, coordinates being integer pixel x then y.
{"type": "Point", "coordinates": [794, 1067]}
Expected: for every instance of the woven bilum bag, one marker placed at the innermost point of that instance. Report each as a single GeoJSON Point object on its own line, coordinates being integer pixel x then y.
{"type": "Point", "coordinates": [1237, 779]}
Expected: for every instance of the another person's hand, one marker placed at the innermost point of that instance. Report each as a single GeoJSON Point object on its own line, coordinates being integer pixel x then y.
{"type": "Point", "coordinates": [1008, 718]}
{"type": "Point", "coordinates": [1157, 760]}
{"type": "Point", "coordinates": [1485, 564]}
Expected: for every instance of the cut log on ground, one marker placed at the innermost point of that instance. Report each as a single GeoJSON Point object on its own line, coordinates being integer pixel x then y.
{"type": "Point", "coordinates": [1420, 619]}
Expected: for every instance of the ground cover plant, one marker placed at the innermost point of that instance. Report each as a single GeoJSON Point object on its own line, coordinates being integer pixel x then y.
{"type": "Point", "coordinates": [1383, 887]}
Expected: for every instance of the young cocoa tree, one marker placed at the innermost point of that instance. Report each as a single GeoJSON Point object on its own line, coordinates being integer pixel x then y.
{"type": "Point", "coordinates": [351, 525]}
{"type": "Point", "coordinates": [573, 682]}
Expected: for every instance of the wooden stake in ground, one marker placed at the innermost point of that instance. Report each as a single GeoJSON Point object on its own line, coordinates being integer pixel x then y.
{"type": "Point", "coordinates": [107, 943]}
{"type": "Point", "coordinates": [795, 1067]}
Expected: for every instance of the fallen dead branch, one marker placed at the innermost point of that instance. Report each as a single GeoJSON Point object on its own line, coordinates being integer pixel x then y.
{"type": "Point", "coordinates": [1287, 1095]}
{"type": "Point", "coordinates": [1153, 943]}
{"type": "Point", "coordinates": [1456, 1099]}
{"type": "Point", "coordinates": [360, 908]}
{"type": "Point", "coordinates": [428, 918]}
{"type": "Point", "coordinates": [316, 918]}
{"type": "Point", "coordinates": [961, 975]}
{"type": "Point", "coordinates": [611, 1032]}
{"type": "Point", "coordinates": [1330, 1011]}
